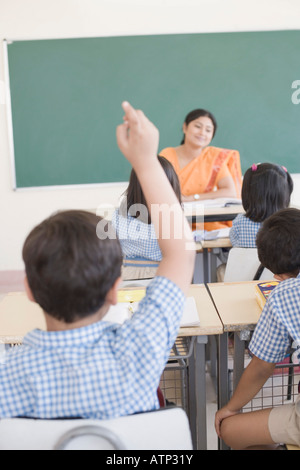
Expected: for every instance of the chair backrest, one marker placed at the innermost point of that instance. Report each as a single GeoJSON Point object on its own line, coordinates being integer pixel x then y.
{"type": "Point", "coordinates": [163, 429]}
{"type": "Point", "coordinates": [135, 283]}
{"type": "Point", "coordinates": [138, 268]}
{"type": "Point", "coordinates": [242, 265]}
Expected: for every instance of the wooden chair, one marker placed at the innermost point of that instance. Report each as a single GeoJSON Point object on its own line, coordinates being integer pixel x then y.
{"type": "Point", "coordinates": [138, 268]}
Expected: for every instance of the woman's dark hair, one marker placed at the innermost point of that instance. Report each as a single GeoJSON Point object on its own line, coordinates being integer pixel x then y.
{"type": "Point", "coordinates": [195, 114]}
{"type": "Point", "coordinates": [135, 194]}
{"type": "Point", "coordinates": [71, 264]}
{"type": "Point", "coordinates": [267, 187]}
{"type": "Point", "coordinates": [278, 242]}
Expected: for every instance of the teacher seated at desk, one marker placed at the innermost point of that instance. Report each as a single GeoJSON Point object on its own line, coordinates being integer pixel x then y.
{"type": "Point", "coordinates": [204, 172]}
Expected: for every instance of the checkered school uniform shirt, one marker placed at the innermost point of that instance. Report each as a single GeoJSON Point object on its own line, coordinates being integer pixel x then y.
{"type": "Point", "coordinates": [243, 232]}
{"type": "Point", "coordinates": [138, 240]}
{"type": "Point", "coordinates": [100, 371]}
{"type": "Point", "coordinates": [279, 323]}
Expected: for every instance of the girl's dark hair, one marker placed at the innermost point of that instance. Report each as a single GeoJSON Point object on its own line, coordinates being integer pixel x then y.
{"type": "Point", "coordinates": [135, 194]}
{"type": "Point", "coordinates": [278, 242]}
{"type": "Point", "coordinates": [267, 187]}
{"type": "Point", "coordinates": [71, 264]}
{"type": "Point", "coordinates": [195, 114]}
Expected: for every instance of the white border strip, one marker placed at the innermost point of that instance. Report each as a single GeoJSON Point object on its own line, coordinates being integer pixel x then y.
{"type": "Point", "coordinates": [9, 114]}
{"type": "Point", "coordinates": [154, 33]}
{"type": "Point", "coordinates": [72, 186]}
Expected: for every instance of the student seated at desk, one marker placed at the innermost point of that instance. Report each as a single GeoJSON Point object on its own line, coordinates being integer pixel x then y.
{"type": "Point", "coordinates": [267, 188]}
{"type": "Point", "coordinates": [132, 222]}
{"type": "Point", "coordinates": [84, 366]}
{"type": "Point", "coordinates": [278, 243]}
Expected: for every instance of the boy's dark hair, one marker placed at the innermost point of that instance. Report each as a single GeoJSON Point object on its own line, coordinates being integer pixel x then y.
{"type": "Point", "coordinates": [68, 267]}
{"type": "Point", "coordinates": [135, 194]}
{"type": "Point", "coordinates": [266, 188]}
{"type": "Point", "coordinates": [278, 242]}
{"type": "Point", "coordinates": [195, 114]}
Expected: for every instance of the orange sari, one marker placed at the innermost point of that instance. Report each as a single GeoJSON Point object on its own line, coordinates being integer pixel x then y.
{"type": "Point", "coordinates": [204, 172]}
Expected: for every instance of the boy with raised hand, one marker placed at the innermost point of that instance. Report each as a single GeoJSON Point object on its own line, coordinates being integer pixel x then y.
{"type": "Point", "coordinates": [82, 365]}
{"type": "Point", "coordinates": [278, 244]}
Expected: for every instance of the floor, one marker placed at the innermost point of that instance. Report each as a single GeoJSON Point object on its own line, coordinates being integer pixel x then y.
{"type": "Point", "coordinates": [174, 392]}
{"type": "Point", "coordinates": [211, 408]}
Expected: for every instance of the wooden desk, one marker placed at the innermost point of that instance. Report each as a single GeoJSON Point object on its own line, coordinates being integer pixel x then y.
{"type": "Point", "coordinates": [216, 243]}
{"type": "Point", "coordinates": [18, 316]}
{"type": "Point", "coordinates": [236, 304]}
{"type": "Point", "coordinates": [214, 214]}
{"type": "Point", "coordinates": [210, 250]}
{"type": "Point", "coordinates": [239, 312]}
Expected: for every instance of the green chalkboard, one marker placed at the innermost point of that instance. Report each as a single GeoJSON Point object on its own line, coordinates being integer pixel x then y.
{"type": "Point", "coordinates": [66, 99]}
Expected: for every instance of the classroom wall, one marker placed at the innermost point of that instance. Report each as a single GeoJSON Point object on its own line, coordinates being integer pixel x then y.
{"type": "Point", "coordinates": [38, 19]}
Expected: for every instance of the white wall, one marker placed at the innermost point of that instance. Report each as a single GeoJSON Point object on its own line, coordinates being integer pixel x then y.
{"type": "Point", "coordinates": [37, 19]}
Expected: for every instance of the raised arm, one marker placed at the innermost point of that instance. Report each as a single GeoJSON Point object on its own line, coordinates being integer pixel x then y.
{"type": "Point", "coordinates": [138, 140]}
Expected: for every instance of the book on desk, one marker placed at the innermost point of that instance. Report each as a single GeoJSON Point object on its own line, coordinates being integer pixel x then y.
{"type": "Point", "coordinates": [263, 290]}
{"type": "Point", "coordinates": [205, 235]}
{"type": "Point", "coordinates": [128, 301]}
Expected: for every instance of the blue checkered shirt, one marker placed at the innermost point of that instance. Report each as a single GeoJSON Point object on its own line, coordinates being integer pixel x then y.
{"type": "Point", "coordinates": [137, 238]}
{"type": "Point", "coordinates": [278, 323]}
{"type": "Point", "coordinates": [243, 232]}
{"type": "Point", "coordinates": [100, 371]}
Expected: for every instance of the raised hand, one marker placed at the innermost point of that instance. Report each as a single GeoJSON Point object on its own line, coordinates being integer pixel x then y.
{"type": "Point", "coordinates": [137, 137]}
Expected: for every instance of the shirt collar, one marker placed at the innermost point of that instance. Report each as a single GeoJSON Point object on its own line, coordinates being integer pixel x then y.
{"type": "Point", "coordinates": [74, 337]}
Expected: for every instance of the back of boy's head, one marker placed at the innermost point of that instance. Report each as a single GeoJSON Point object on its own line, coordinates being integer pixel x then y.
{"type": "Point", "coordinates": [266, 188]}
{"type": "Point", "coordinates": [134, 192]}
{"type": "Point", "coordinates": [69, 268]}
{"type": "Point", "coordinates": [278, 242]}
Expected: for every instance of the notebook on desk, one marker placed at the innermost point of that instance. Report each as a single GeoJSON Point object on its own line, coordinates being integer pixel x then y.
{"type": "Point", "coordinates": [201, 235]}
{"type": "Point", "coordinates": [127, 306]}
{"type": "Point", "coordinates": [218, 202]}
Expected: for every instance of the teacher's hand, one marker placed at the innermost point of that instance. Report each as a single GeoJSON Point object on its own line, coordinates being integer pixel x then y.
{"type": "Point", "coordinates": [188, 198]}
